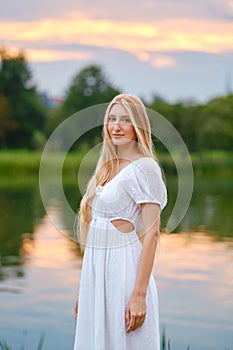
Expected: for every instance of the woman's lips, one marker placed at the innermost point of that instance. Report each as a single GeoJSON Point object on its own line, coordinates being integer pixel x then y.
{"type": "Point", "coordinates": [117, 136]}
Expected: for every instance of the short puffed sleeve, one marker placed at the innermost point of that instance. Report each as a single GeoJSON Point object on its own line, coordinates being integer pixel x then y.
{"type": "Point", "coordinates": [146, 182]}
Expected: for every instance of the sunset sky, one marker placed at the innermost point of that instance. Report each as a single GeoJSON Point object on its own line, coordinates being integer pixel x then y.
{"type": "Point", "coordinates": [178, 49]}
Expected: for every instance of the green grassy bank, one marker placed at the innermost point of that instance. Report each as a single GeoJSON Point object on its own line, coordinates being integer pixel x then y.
{"type": "Point", "coordinates": [24, 162]}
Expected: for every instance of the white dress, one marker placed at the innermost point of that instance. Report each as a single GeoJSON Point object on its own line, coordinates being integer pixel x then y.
{"type": "Point", "coordinates": [111, 260]}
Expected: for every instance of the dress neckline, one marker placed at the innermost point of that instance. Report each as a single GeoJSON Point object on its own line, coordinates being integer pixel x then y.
{"type": "Point", "coordinates": [126, 166]}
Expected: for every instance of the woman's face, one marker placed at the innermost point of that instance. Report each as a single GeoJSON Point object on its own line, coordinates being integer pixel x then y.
{"type": "Point", "coordinates": [120, 127]}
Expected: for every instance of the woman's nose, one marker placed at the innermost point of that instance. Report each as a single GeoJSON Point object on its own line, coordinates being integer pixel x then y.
{"type": "Point", "coordinates": [116, 125]}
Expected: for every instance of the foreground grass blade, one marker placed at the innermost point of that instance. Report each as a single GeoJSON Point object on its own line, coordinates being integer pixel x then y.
{"type": "Point", "coordinates": [4, 346]}
{"type": "Point", "coordinates": [41, 342]}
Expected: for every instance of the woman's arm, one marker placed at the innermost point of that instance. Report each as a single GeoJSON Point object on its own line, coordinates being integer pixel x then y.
{"type": "Point", "coordinates": [76, 309]}
{"type": "Point", "coordinates": [136, 310]}
{"type": "Point", "coordinates": [76, 305]}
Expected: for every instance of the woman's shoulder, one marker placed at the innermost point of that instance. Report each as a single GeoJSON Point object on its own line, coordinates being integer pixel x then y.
{"type": "Point", "coordinates": [147, 164]}
{"type": "Point", "coordinates": [146, 182]}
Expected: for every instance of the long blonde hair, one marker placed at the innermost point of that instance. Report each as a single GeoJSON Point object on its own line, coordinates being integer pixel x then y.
{"type": "Point", "coordinates": [108, 162]}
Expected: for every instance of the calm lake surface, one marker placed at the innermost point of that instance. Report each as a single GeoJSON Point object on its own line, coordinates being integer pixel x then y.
{"type": "Point", "coordinates": [40, 268]}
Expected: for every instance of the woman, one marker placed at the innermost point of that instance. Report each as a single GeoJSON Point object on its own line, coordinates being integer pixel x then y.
{"type": "Point", "coordinates": [119, 220]}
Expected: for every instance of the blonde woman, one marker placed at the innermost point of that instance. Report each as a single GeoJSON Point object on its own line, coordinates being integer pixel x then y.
{"type": "Point", "coordinates": [119, 224]}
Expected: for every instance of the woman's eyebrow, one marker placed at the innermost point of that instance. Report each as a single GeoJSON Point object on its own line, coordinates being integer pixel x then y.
{"type": "Point", "coordinates": [121, 116]}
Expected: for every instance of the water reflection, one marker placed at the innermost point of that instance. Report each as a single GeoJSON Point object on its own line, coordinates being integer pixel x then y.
{"type": "Point", "coordinates": [195, 278]}
{"type": "Point", "coordinates": [211, 206]}
{"type": "Point", "coordinates": [42, 300]}
{"type": "Point", "coordinates": [16, 209]}
{"type": "Point", "coordinates": [40, 268]}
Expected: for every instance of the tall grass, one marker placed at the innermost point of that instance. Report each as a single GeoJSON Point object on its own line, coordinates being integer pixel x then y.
{"type": "Point", "coordinates": [166, 345]}
{"type": "Point", "coordinates": [5, 346]}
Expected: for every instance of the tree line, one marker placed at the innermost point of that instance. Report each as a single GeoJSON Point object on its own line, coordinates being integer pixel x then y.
{"type": "Point", "coordinates": [26, 122]}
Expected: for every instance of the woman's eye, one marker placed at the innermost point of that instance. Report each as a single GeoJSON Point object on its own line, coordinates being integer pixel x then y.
{"type": "Point", "coordinates": [114, 119]}
{"type": "Point", "coordinates": [111, 119]}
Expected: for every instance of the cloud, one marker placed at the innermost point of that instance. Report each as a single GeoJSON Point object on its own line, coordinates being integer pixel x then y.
{"type": "Point", "coordinates": [195, 75]}
{"type": "Point", "coordinates": [52, 55]}
{"type": "Point", "coordinates": [162, 61]}
{"type": "Point", "coordinates": [160, 43]}
{"type": "Point", "coordinates": [156, 60]}
{"type": "Point", "coordinates": [138, 38]}
{"type": "Point", "coordinates": [126, 10]}
{"type": "Point", "coordinates": [151, 10]}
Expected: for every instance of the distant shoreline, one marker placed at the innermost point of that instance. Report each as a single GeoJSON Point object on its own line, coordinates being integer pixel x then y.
{"type": "Point", "coordinates": [15, 163]}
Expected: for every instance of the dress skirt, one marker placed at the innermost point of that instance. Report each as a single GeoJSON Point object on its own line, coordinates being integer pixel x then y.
{"type": "Point", "coordinates": [108, 277]}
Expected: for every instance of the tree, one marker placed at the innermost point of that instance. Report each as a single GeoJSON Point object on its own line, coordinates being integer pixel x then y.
{"type": "Point", "coordinates": [182, 116]}
{"type": "Point", "coordinates": [207, 126]}
{"type": "Point", "coordinates": [88, 88]}
{"type": "Point", "coordinates": [22, 112]}
{"type": "Point", "coordinates": [216, 124]}
{"type": "Point", "coordinates": [6, 124]}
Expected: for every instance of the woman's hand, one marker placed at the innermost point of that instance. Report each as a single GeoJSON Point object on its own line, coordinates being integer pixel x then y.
{"type": "Point", "coordinates": [135, 313]}
{"type": "Point", "coordinates": [76, 309]}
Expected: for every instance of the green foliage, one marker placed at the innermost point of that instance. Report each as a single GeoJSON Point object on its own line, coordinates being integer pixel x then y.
{"type": "Point", "coordinates": [216, 122]}
{"type": "Point", "coordinates": [26, 123]}
{"type": "Point", "coordinates": [88, 88]}
{"type": "Point", "coordinates": [202, 127]}
{"type": "Point", "coordinates": [21, 112]}
{"type": "Point", "coordinates": [14, 163]}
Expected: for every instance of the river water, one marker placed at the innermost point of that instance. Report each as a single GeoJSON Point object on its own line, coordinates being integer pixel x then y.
{"type": "Point", "coordinates": [40, 269]}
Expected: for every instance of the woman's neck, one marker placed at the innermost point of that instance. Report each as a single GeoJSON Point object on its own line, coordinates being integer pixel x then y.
{"type": "Point", "coordinates": [127, 153]}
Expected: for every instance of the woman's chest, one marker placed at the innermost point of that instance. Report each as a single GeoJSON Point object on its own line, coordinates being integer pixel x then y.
{"type": "Point", "coordinates": [115, 196]}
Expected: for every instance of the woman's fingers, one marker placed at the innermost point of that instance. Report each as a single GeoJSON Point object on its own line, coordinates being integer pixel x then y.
{"type": "Point", "coordinates": [135, 313]}
{"type": "Point", "coordinates": [135, 322]}
{"type": "Point", "coordinates": [139, 321]}
{"type": "Point", "coordinates": [131, 323]}
{"type": "Point", "coordinates": [127, 317]}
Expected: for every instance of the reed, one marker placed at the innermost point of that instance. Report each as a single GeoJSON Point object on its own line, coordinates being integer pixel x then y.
{"type": "Point", "coordinates": [5, 346]}
{"type": "Point", "coordinates": [166, 345]}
